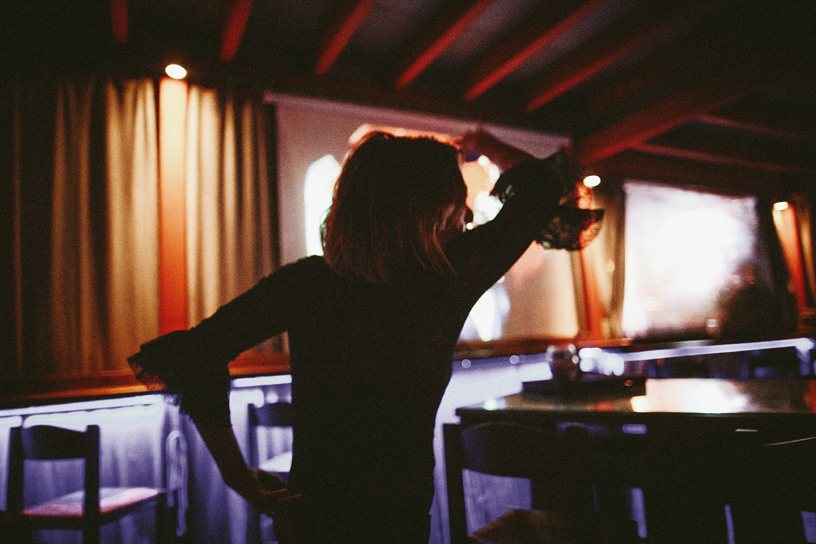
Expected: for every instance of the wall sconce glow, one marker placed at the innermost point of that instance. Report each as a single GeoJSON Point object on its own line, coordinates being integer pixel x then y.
{"type": "Point", "coordinates": [779, 206]}
{"type": "Point", "coordinates": [592, 180]}
{"type": "Point", "coordinates": [175, 71]}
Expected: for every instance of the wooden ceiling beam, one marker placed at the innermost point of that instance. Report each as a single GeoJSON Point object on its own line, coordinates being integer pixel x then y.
{"type": "Point", "coordinates": [769, 57]}
{"type": "Point", "coordinates": [632, 32]}
{"type": "Point", "coordinates": [720, 33]}
{"type": "Point", "coordinates": [778, 117]}
{"type": "Point", "coordinates": [551, 21]}
{"type": "Point", "coordinates": [447, 25]}
{"type": "Point", "coordinates": [681, 171]}
{"type": "Point", "coordinates": [119, 20]}
{"type": "Point", "coordinates": [713, 144]}
{"type": "Point", "coordinates": [720, 87]}
{"type": "Point", "coordinates": [711, 154]}
{"type": "Point", "coordinates": [764, 127]}
{"type": "Point", "coordinates": [665, 114]}
{"type": "Point", "coordinates": [234, 27]}
{"type": "Point", "coordinates": [349, 16]}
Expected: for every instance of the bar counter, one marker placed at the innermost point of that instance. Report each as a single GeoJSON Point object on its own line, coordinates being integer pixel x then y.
{"type": "Point", "coordinates": [676, 451]}
{"type": "Point", "coordinates": [779, 409]}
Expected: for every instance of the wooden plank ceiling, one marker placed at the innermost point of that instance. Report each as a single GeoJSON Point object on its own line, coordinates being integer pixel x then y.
{"type": "Point", "coordinates": [714, 92]}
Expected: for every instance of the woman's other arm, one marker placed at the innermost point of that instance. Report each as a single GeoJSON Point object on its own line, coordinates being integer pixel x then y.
{"type": "Point", "coordinates": [504, 155]}
{"type": "Point", "coordinates": [237, 475]}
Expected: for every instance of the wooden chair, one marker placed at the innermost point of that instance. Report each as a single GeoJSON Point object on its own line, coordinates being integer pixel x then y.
{"type": "Point", "coordinates": [275, 414]}
{"type": "Point", "coordinates": [722, 482]}
{"type": "Point", "coordinates": [86, 510]}
{"type": "Point", "coordinates": [553, 462]}
{"type": "Point", "coordinates": [772, 485]}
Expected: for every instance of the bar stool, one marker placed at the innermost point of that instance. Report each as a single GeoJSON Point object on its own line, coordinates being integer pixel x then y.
{"type": "Point", "coordinates": [86, 510]}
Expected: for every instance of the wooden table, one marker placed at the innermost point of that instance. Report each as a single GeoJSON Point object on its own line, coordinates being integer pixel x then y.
{"type": "Point", "coordinates": [683, 442]}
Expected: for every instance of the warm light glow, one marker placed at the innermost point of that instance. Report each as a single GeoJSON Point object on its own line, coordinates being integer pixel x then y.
{"type": "Point", "coordinates": [175, 71]}
{"type": "Point", "coordinates": [779, 206]}
{"type": "Point", "coordinates": [498, 309]}
{"type": "Point", "coordinates": [695, 396]}
{"type": "Point", "coordinates": [592, 180]}
{"type": "Point", "coordinates": [366, 128]}
{"type": "Point", "coordinates": [172, 214]}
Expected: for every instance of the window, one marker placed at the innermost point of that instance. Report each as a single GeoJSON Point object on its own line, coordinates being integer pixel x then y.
{"type": "Point", "coordinates": [693, 260]}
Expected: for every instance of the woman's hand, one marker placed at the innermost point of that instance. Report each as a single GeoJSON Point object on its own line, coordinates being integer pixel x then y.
{"type": "Point", "coordinates": [482, 142]}
{"type": "Point", "coordinates": [271, 499]}
{"type": "Point", "coordinates": [253, 485]}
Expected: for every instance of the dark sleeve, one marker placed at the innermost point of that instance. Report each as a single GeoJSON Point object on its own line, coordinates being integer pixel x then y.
{"type": "Point", "coordinates": [483, 255]}
{"type": "Point", "coordinates": [192, 366]}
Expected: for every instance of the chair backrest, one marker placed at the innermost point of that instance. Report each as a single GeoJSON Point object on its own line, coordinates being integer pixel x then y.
{"type": "Point", "coordinates": [44, 442]}
{"type": "Point", "coordinates": [274, 414]}
{"type": "Point", "coordinates": [768, 486]}
{"type": "Point", "coordinates": [509, 449]}
{"type": "Point", "coordinates": [554, 462]}
{"type": "Point", "coordinates": [789, 469]}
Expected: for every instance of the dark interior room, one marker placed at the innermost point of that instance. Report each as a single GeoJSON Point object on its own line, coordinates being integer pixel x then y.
{"type": "Point", "coordinates": [661, 374]}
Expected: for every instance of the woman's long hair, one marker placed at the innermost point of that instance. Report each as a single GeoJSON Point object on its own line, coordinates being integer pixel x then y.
{"type": "Point", "coordinates": [395, 202]}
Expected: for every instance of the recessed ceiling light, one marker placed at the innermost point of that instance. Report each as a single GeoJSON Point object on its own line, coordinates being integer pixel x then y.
{"type": "Point", "coordinates": [175, 71]}
{"type": "Point", "coordinates": [592, 180]}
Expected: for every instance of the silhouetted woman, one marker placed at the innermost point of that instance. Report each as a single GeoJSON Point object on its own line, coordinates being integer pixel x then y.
{"type": "Point", "coordinates": [372, 328]}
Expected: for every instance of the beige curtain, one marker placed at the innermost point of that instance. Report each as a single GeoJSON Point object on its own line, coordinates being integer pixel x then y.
{"type": "Point", "coordinates": [103, 281]}
{"type": "Point", "coordinates": [84, 193]}
{"type": "Point", "coordinates": [229, 238]}
{"type": "Point", "coordinates": [132, 229]}
{"type": "Point", "coordinates": [80, 230]}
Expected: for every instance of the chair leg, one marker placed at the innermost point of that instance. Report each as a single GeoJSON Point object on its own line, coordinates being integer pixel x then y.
{"type": "Point", "coordinates": [457, 516]}
{"type": "Point", "coordinates": [15, 527]}
{"type": "Point", "coordinates": [768, 523]}
{"type": "Point", "coordinates": [162, 522]}
{"type": "Point", "coordinates": [91, 534]}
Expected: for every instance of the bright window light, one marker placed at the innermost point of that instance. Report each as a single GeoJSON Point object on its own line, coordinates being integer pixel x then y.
{"type": "Point", "coordinates": [687, 254]}
{"type": "Point", "coordinates": [318, 193]}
